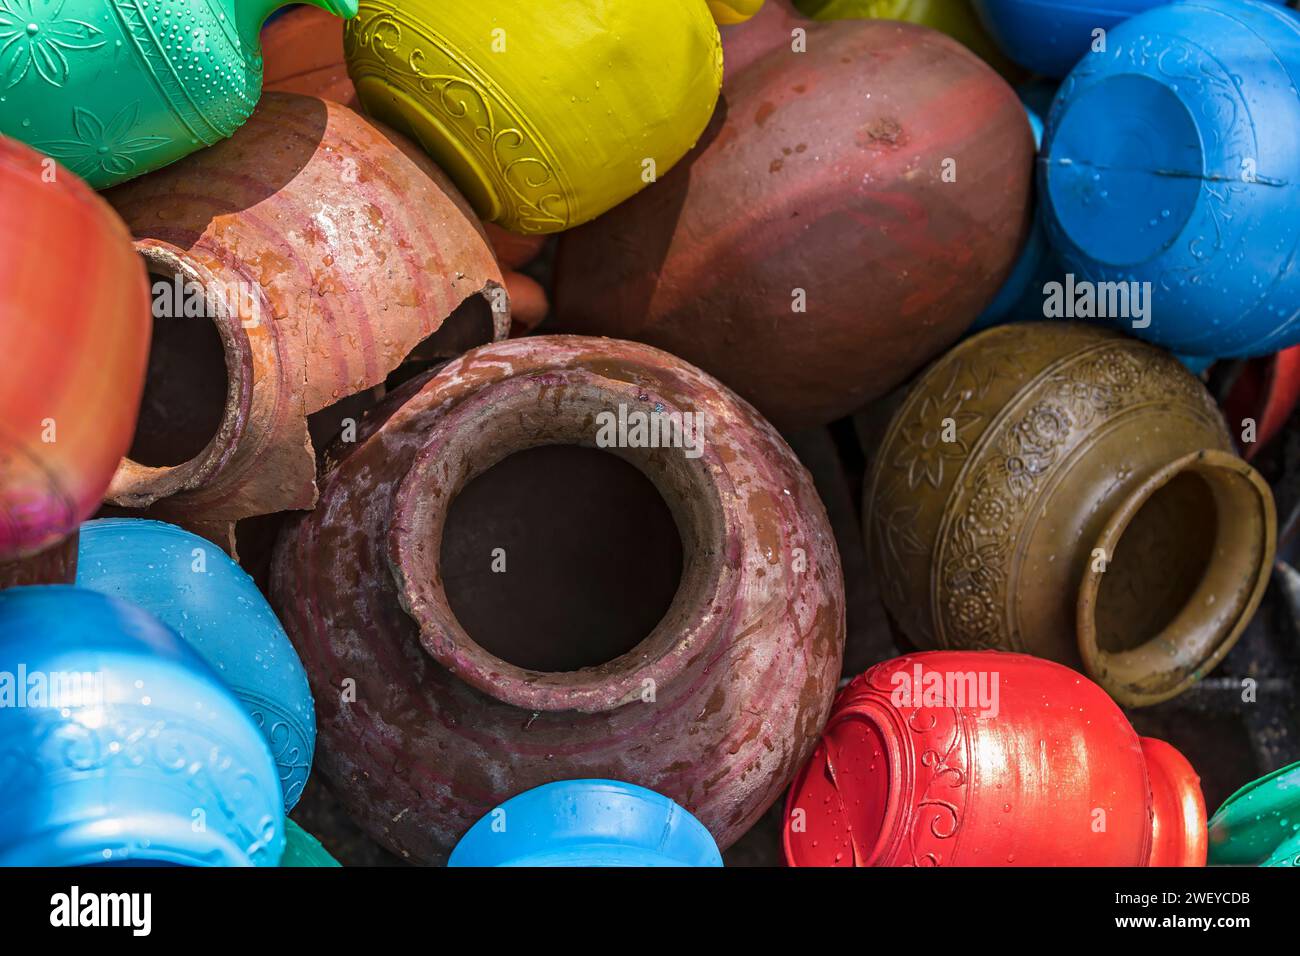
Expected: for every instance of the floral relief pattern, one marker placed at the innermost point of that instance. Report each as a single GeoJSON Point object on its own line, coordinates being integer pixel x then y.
{"type": "Point", "coordinates": [103, 147]}
{"type": "Point", "coordinates": [35, 39]}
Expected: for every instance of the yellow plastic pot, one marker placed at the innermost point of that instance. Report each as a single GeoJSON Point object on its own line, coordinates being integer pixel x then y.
{"type": "Point", "coordinates": [957, 18]}
{"type": "Point", "coordinates": [727, 12]}
{"type": "Point", "coordinates": [545, 113]}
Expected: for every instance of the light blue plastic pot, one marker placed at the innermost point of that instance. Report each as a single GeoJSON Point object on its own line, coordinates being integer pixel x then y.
{"type": "Point", "coordinates": [587, 823]}
{"type": "Point", "coordinates": [1051, 36]}
{"type": "Point", "coordinates": [134, 752]}
{"type": "Point", "coordinates": [1171, 160]}
{"type": "Point", "coordinates": [190, 585]}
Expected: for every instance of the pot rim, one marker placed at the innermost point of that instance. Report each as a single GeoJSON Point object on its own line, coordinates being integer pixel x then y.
{"type": "Point", "coordinates": [137, 486]}
{"type": "Point", "coordinates": [558, 407]}
{"type": "Point", "coordinates": [1122, 674]}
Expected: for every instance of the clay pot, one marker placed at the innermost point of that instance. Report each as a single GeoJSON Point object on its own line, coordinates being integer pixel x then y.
{"type": "Point", "coordinates": [1265, 390]}
{"type": "Point", "coordinates": [1166, 157]}
{"type": "Point", "coordinates": [467, 570]}
{"type": "Point", "coordinates": [1070, 492]}
{"type": "Point", "coordinates": [773, 27]}
{"type": "Point", "coordinates": [587, 823]}
{"type": "Point", "coordinates": [302, 52]}
{"type": "Point", "coordinates": [301, 849]}
{"type": "Point", "coordinates": [1259, 825]}
{"type": "Point", "coordinates": [960, 758]}
{"type": "Point", "coordinates": [728, 12]}
{"type": "Point", "coordinates": [294, 265]}
{"type": "Point", "coordinates": [132, 742]}
{"type": "Point", "coordinates": [544, 118]}
{"type": "Point", "coordinates": [198, 592]}
{"type": "Point", "coordinates": [528, 303]}
{"type": "Point", "coordinates": [74, 333]}
{"type": "Point", "coordinates": [811, 254]}
{"type": "Point", "coordinates": [116, 91]}
{"type": "Point", "coordinates": [954, 17]}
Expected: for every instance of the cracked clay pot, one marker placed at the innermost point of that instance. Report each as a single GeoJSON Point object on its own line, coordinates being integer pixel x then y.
{"type": "Point", "coordinates": [74, 333]}
{"type": "Point", "coordinates": [513, 600]}
{"type": "Point", "coordinates": [959, 758]}
{"type": "Point", "coordinates": [293, 265]}
{"type": "Point", "coordinates": [817, 248]}
{"type": "Point", "coordinates": [1069, 492]}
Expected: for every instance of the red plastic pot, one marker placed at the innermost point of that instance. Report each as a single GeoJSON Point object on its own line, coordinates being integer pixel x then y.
{"type": "Point", "coordinates": [1266, 390]}
{"type": "Point", "coordinates": [982, 758]}
{"type": "Point", "coordinates": [74, 338]}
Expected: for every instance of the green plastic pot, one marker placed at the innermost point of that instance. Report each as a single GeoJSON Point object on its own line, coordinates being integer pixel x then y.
{"type": "Point", "coordinates": [1259, 825]}
{"type": "Point", "coordinates": [116, 88]}
{"type": "Point", "coordinates": [303, 849]}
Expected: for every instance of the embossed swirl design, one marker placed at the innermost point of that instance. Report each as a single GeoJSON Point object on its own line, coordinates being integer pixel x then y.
{"type": "Point", "coordinates": [416, 59]}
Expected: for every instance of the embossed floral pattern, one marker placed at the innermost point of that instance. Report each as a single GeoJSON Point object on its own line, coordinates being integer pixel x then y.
{"type": "Point", "coordinates": [102, 147]}
{"type": "Point", "coordinates": [35, 39]}
{"type": "Point", "coordinates": [935, 436]}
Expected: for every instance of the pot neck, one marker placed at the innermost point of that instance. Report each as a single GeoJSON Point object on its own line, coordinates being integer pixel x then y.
{"type": "Point", "coordinates": [563, 407]}
{"type": "Point", "coordinates": [1233, 508]}
{"type": "Point", "coordinates": [1178, 827]}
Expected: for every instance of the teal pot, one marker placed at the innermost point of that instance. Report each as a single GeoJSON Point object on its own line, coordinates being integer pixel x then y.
{"type": "Point", "coordinates": [1259, 825]}
{"type": "Point", "coordinates": [116, 88]}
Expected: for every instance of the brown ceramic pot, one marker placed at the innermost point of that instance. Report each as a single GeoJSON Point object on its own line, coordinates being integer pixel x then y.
{"type": "Point", "coordinates": [1072, 493]}
{"type": "Point", "coordinates": [314, 251]}
{"type": "Point", "coordinates": [302, 52]}
{"type": "Point", "coordinates": [819, 247]}
{"type": "Point", "coordinates": [662, 618]}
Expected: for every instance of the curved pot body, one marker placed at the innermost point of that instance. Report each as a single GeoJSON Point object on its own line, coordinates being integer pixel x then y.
{"type": "Point", "coordinates": [74, 330]}
{"type": "Point", "coordinates": [215, 607]}
{"type": "Point", "coordinates": [959, 758]}
{"type": "Point", "coordinates": [727, 12]}
{"type": "Point", "coordinates": [302, 52]}
{"type": "Point", "coordinates": [544, 120]}
{"type": "Point", "coordinates": [811, 254]}
{"type": "Point", "coordinates": [587, 823]}
{"type": "Point", "coordinates": [954, 17]}
{"type": "Point", "coordinates": [715, 708]}
{"type": "Point", "coordinates": [1069, 492]}
{"type": "Point", "coordinates": [113, 90]}
{"type": "Point", "coordinates": [772, 27]}
{"type": "Point", "coordinates": [1166, 158]}
{"type": "Point", "coordinates": [1266, 390]}
{"type": "Point", "coordinates": [1258, 825]}
{"type": "Point", "coordinates": [293, 265]}
{"type": "Point", "coordinates": [132, 739]}
{"type": "Point", "coordinates": [301, 849]}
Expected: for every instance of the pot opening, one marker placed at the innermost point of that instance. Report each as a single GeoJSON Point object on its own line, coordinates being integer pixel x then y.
{"type": "Point", "coordinates": [1159, 563]}
{"type": "Point", "coordinates": [185, 387]}
{"type": "Point", "coordinates": [1188, 554]}
{"type": "Point", "coordinates": [560, 557]}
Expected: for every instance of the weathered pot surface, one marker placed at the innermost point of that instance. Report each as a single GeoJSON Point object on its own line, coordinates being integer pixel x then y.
{"type": "Point", "coordinates": [294, 265]}
{"type": "Point", "coordinates": [960, 758]}
{"type": "Point", "coordinates": [472, 686]}
{"type": "Point", "coordinates": [1069, 492]}
{"type": "Point", "coordinates": [817, 249]}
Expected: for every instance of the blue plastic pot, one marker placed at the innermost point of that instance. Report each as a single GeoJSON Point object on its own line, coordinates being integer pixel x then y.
{"type": "Point", "coordinates": [190, 585]}
{"type": "Point", "coordinates": [1171, 161]}
{"type": "Point", "coordinates": [1051, 36]}
{"type": "Point", "coordinates": [119, 745]}
{"type": "Point", "coordinates": [587, 823]}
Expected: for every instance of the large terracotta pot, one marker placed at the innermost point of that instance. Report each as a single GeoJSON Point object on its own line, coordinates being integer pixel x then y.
{"type": "Point", "coordinates": [114, 90]}
{"type": "Point", "coordinates": [1070, 492]}
{"type": "Point", "coordinates": [959, 758]}
{"type": "Point", "coordinates": [811, 254]}
{"type": "Point", "coordinates": [74, 336]}
{"type": "Point", "coordinates": [302, 52]}
{"type": "Point", "coordinates": [1073, 493]}
{"type": "Point", "coordinates": [544, 114]}
{"type": "Point", "coordinates": [468, 686]}
{"type": "Point", "coordinates": [315, 250]}
{"type": "Point", "coordinates": [773, 26]}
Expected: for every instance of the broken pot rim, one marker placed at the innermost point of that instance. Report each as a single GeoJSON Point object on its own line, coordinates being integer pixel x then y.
{"type": "Point", "coordinates": [1112, 670]}
{"type": "Point", "coordinates": [138, 486]}
{"type": "Point", "coordinates": [462, 446]}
